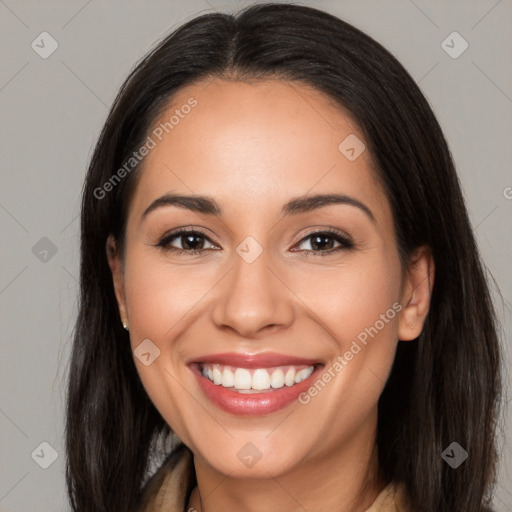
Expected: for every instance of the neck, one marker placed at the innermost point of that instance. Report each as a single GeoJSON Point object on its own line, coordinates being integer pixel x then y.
{"type": "Point", "coordinates": [345, 479]}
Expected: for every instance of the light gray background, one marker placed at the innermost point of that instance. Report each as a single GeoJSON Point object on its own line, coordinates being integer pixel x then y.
{"type": "Point", "coordinates": [51, 114]}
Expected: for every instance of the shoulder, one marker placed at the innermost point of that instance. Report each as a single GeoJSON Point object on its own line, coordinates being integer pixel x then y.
{"type": "Point", "coordinates": [170, 486]}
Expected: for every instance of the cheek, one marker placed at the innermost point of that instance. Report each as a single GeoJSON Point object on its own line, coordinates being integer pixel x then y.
{"type": "Point", "coordinates": [352, 297]}
{"type": "Point", "coordinates": [358, 307]}
{"type": "Point", "coordinates": [160, 295]}
{"type": "Point", "coordinates": [160, 300]}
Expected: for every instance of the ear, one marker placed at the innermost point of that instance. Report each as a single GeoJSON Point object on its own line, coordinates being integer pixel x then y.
{"type": "Point", "coordinates": [116, 267]}
{"type": "Point", "coordinates": [416, 293]}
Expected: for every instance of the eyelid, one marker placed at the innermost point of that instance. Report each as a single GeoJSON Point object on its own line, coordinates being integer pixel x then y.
{"type": "Point", "coordinates": [330, 231]}
{"type": "Point", "coordinates": [176, 233]}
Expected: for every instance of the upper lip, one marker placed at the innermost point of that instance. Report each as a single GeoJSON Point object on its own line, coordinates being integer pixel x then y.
{"type": "Point", "coordinates": [262, 360]}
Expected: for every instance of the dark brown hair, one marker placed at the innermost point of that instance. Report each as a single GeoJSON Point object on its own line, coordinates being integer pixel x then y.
{"type": "Point", "coordinates": [444, 386]}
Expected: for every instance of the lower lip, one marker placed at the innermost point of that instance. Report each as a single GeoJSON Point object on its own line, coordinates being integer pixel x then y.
{"type": "Point", "coordinates": [253, 404]}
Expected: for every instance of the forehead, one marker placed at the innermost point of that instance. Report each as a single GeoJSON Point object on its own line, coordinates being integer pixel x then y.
{"type": "Point", "coordinates": [252, 145]}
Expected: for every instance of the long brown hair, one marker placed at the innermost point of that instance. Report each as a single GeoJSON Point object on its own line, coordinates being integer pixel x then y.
{"type": "Point", "coordinates": [444, 387]}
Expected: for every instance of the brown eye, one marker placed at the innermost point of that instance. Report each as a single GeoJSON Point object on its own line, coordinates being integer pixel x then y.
{"type": "Point", "coordinates": [192, 242]}
{"type": "Point", "coordinates": [323, 242]}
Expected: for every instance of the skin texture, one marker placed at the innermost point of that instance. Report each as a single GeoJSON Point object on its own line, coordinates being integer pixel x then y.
{"type": "Point", "coordinates": [252, 147]}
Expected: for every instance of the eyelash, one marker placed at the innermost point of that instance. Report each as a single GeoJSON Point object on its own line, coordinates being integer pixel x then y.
{"type": "Point", "coordinates": [345, 241]}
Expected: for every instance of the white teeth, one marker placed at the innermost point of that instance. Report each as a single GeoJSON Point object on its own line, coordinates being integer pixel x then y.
{"type": "Point", "coordinates": [244, 380]}
{"type": "Point", "coordinates": [228, 379]}
{"type": "Point", "coordinates": [303, 375]}
{"type": "Point", "coordinates": [261, 380]}
{"type": "Point", "coordinates": [277, 378]}
{"type": "Point", "coordinates": [289, 378]}
{"type": "Point", "coordinates": [217, 376]}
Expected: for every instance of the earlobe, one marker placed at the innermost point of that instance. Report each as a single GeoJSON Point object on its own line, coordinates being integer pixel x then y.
{"type": "Point", "coordinates": [115, 264]}
{"type": "Point", "coordinates": [416, 294]}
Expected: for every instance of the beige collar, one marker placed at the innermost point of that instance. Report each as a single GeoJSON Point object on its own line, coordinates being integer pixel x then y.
{"type": "Point", "coordinates": [169, 488]}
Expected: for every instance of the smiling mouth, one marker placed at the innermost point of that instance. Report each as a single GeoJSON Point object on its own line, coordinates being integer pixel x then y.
{"type": "Point", "coordinates": [253, 384]}
{"type": "Point", "coordinates": [255, 380]}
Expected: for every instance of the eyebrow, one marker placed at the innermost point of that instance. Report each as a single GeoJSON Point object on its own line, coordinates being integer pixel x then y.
{"type": "Point", "coordinates": [297, 205]}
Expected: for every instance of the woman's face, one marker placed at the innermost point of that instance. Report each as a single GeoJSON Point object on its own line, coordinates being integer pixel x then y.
{"type": "Point", "coordinates": [285, 284]}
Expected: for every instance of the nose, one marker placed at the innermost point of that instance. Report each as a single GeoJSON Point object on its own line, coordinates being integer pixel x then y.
{"type": "Point", "coordinates": [253, 298]}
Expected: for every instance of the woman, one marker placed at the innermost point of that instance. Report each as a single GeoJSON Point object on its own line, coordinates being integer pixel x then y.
{"type": "Point", "coordinates": [278, 269]}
